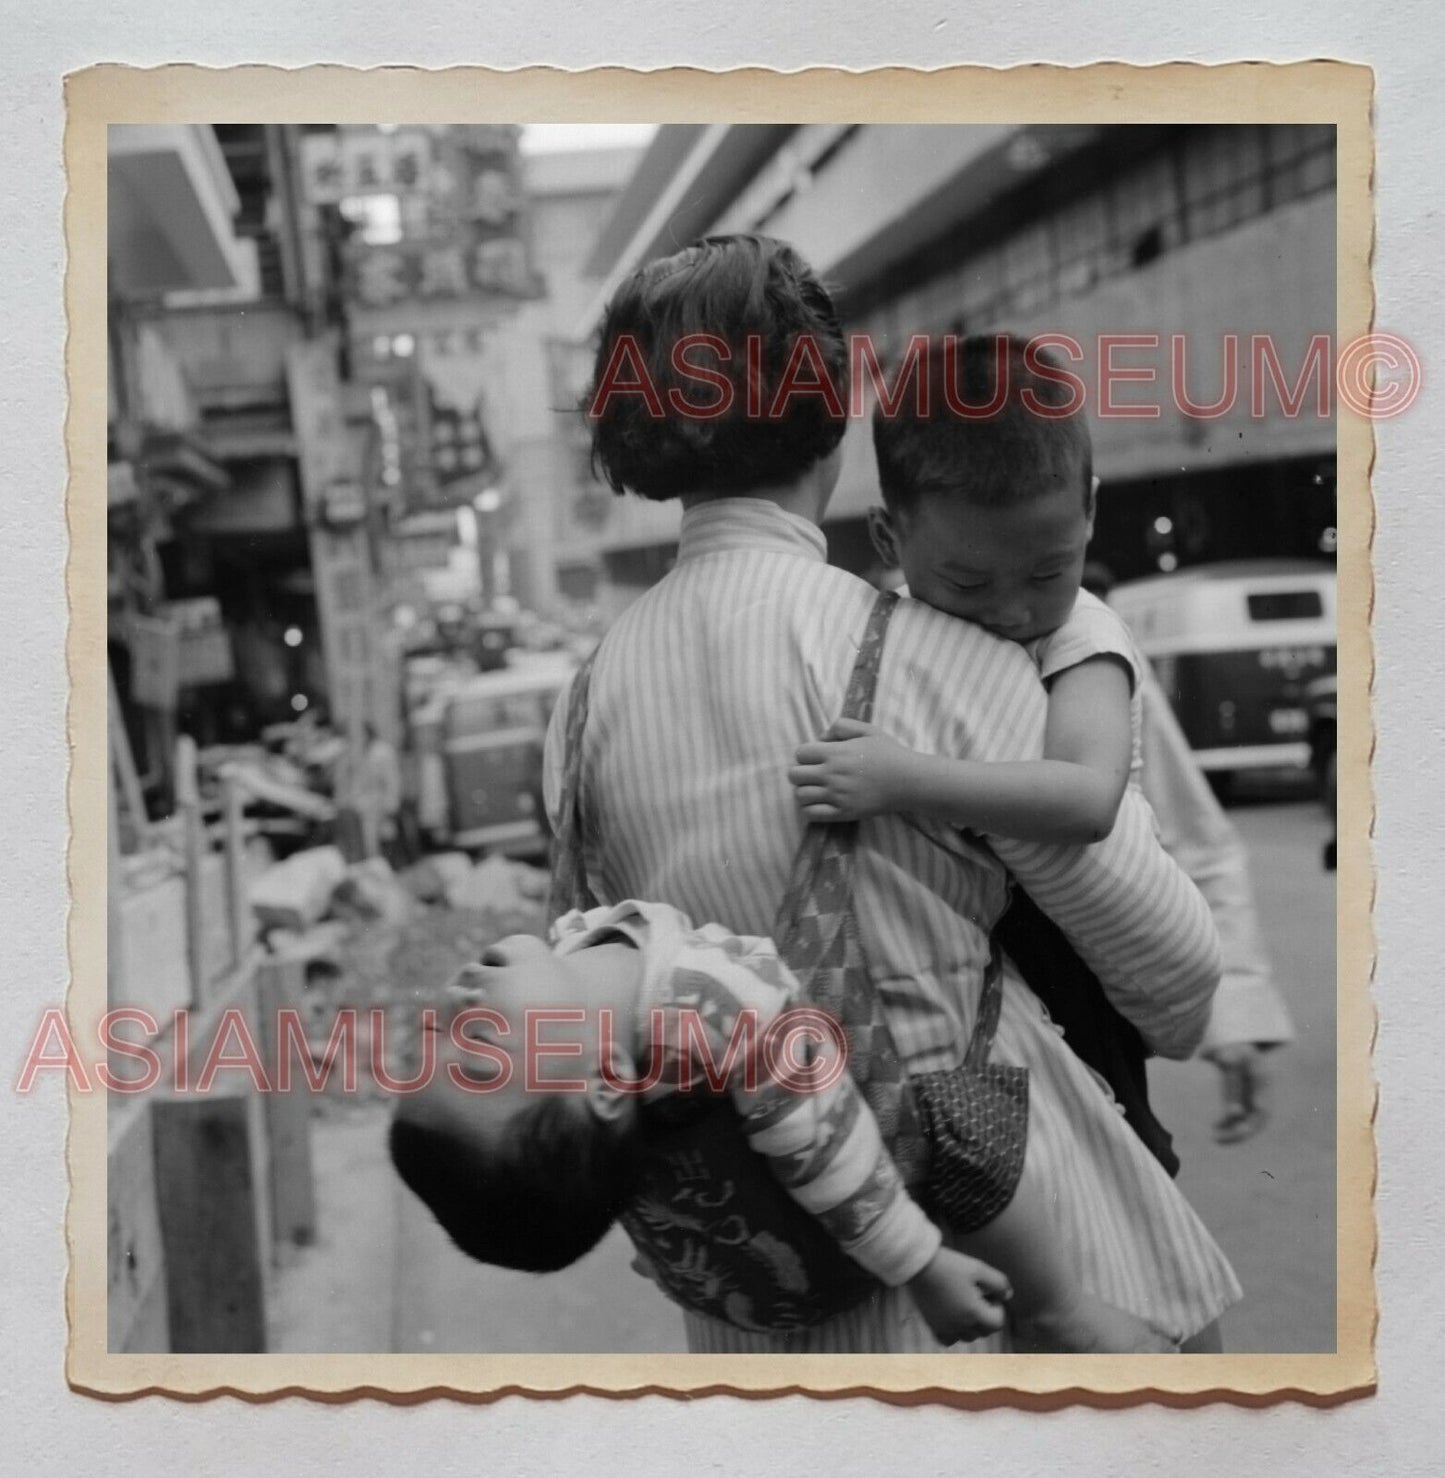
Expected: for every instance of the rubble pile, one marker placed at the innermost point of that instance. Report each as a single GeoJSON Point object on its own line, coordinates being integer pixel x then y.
{"type": "Point", "coordinates": [371, 938]}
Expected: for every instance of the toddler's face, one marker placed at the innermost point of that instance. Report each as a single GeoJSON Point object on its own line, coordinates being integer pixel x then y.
{"type": "Point", "coordinates": [1014, 570]}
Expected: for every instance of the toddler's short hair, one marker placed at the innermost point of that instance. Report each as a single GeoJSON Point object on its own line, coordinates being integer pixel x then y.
{"type": "Point", "coordinates": [537, 1204]}
{"type": "Point", "coordinates": [732, 288]}
{"type": "Point", "coordinates": [1015, 451]}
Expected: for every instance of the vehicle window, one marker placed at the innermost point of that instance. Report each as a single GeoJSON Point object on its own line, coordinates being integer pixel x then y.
{"type": "Point", "coordinates": [1285, 605]}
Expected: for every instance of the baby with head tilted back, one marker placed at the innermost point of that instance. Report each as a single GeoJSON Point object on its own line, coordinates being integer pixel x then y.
{"type": "Point", "coordinates": [522, 1145]}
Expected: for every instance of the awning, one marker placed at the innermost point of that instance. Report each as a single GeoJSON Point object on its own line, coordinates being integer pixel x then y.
{"type": "Point", "coordinates": [249, 443]}
{"type": "Point", "coordinates": [425, 524]}
{"type": "Point", "coordinates": [180, 457]}
{"type": "Point", "coordinates": [171, 207]}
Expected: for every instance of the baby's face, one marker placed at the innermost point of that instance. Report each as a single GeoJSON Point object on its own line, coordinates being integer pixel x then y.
{"type": "Point", "coordinates": [519, 1022]}
{"type": "Point", "coordinates": [1014, 570]}
{"type": "Point", "coordinates": [516, 975]}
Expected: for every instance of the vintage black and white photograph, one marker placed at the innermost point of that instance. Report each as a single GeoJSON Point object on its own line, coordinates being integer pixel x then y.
{"type": "Point", "coordinates": [722, 739]}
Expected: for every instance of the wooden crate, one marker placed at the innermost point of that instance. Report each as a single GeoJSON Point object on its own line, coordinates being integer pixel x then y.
{"type": "Point", "coordinates": [205, 657]}
{"type": "Point", "coordinates": [135, 1306]}
{"type": "Point", "coordinates": [168, 654]}
{"type": "Point", "coordinates": [205, 1153]}
{"type": "Point", "coordinates": [207, 1194]}
{"type": "Point", "coordinates": [155, 661]}
{"type": "Point", "coordinates": [152, 971]}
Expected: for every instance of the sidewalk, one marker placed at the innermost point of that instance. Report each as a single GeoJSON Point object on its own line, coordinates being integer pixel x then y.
{"type": "Point", "coordinates": [383, 1277]}
{"type": "Point", "coordinates": [446, 1302]}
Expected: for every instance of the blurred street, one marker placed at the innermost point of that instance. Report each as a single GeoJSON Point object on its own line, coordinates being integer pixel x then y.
{"type": "Point", "coordinates": [359, 539]}
{"type": "Point", "coordinates": [384, 1276]}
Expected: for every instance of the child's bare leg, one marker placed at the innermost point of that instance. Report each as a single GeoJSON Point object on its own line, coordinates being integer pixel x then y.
{"type": "Point", "coordinates": [1048, 1310]}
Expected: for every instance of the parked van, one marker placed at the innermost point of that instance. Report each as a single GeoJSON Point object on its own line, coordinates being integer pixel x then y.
{"type": "Point", "coordinates": [481, 762]}
{"type": "Point", "coordinates": [1236, 647]}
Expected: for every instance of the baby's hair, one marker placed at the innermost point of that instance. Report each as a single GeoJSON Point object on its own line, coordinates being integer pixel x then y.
{"type": "Point", "coordinates": [1015, 451]}
{"type": "Point", "coordinates": [735, 289]}
{"type": "Point", "coordinates": [538, 1204]}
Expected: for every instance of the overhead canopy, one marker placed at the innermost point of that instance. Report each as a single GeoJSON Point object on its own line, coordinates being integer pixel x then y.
{"type": "Point", "coordinates": [172, 205]}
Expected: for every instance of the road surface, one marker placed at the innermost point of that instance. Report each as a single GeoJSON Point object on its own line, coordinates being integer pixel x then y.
{"type": "Point", "coordinates": [1271, 1200]}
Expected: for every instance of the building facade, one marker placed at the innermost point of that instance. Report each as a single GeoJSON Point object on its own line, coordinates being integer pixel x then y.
{"type": "Point", "coordinates": [464, 280]}
{"type": "Point", "coordinates": [1129, 245]}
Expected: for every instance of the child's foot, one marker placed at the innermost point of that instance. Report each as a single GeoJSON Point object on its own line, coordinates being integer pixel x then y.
{"type": "Point", "coordinates": [1089, 1326]}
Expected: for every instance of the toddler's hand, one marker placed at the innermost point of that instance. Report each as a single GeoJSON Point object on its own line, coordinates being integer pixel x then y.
{"type": "Point", "coordinates": [959, 1297]}
{"type": "Point", "coordinates": [853, 771]}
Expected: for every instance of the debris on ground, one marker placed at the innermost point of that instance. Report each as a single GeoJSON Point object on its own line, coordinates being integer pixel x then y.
{"type": "Point", "coordinates": [371, 890]}
{"type": "Point", "coordinates": [499, 885]}
{"type": "Point", "coordinates": [430, 878]}
{"type": "Point", "coordinates": [321, 943]}
{"type": "Point", "coordinates": [286, 789]}
{"type": "Point", "coordinates": [297, 893]}
{"type": "Point", "coordinates": [376, 944]}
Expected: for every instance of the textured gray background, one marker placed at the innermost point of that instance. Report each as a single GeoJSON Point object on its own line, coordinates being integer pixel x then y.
{"type": "Point", "coordinates": [1394, 1433]}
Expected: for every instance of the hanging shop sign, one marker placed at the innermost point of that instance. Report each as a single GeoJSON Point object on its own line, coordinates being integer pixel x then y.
{"type": "Point", "coordinates": [343, 163]}
{"type": "Point", "coordinates": [314, 389]}
{"type": "Point", "coordinates": [461, 233]}
{"type": "Point", "coordinates": [343, 504]}
{"type": "Point", "coordinates": [381, 276]}
{"type": "Point", "coordinates": [340, 553]}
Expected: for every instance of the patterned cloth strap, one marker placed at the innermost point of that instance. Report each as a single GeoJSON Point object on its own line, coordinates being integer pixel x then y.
{"type": "Point", "coordinates": [822, 876]}
{"type": "Point", "coordinates": [817, 935]}
{"type": "Point", "coordinates": [985, 1025]}
{"type": "Point", "coordinates": [569, 887]}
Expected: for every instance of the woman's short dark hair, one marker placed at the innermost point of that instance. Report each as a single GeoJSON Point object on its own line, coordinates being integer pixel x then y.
{"type": "Point", "coordinates": [769, 396]}
{"type": "Point", "coordinates": [545, 1200]}
{"type": "Point", "coordinates": [1021, 434]}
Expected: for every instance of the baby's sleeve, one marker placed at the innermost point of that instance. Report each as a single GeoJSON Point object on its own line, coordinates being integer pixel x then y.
{"type": "Point", "coordinates": [799, 1106]}
{"type": "Point", "coordinates": [734, 1015]}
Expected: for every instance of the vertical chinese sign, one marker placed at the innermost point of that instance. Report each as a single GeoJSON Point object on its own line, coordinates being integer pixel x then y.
{"type": "Point", "coordinates": [435, 256]}
{"type": "Point", "coordinates": [340, 552]}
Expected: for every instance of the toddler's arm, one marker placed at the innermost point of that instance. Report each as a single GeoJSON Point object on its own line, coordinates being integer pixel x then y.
{"type": "Point", "coordinates": [1071, 795]}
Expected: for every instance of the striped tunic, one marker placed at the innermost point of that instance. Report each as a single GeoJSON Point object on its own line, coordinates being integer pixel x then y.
{"type": "Point", "coordinates": [701, 693]}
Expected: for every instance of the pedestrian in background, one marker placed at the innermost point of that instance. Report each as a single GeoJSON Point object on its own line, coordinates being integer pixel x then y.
{"type": "Point", "coordinates": [368, 795]}
{"type": "Point", "coordinates": [378, 792]}
{"type": "Point", "coordinates": [1249, 1018]}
